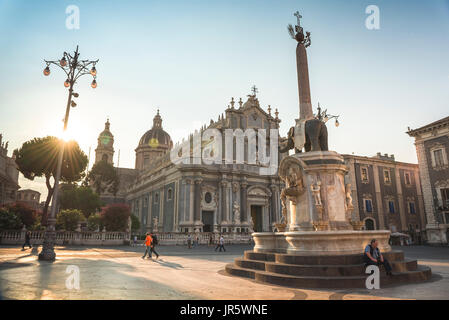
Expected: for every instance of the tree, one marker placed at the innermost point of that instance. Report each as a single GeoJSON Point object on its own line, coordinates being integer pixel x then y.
{"type": "Point", "coordinates": [68, 219]}
{"type": "Point", "coordinates": [39, 157]}
{"type": "Point", "coordinates": [103, 178]}
{"type": "Point", "coordinates": [115, 216]}
{"type": "Point", "coordinates": [25, 213]}
{"type": "Point", "coordinates": [81, 198]}
{"type": "Point", "coordinates": [94, 222]}
{"type": "Point", "coordinates": [8, 220]}
{"type": "Point", "coordinates": [135, 223]}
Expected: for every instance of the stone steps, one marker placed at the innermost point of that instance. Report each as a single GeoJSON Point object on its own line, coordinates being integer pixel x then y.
{"type": "Point", "coordinates": [423, 273]}
{"type": "Point", "coordinates": [347, 271]}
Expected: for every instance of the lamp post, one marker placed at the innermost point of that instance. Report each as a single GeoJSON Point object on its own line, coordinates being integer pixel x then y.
{"type": "Point", "coordinates": [74, 69]}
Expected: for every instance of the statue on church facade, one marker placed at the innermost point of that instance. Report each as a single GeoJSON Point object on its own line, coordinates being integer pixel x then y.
{"type": "Point", "coordinates": [236, 209]}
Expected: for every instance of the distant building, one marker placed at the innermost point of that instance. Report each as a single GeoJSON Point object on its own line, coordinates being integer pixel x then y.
{"type": "Point", "coordinates": [105, 152]}
{"type": "Point", "coordinates": [432, 146]}
{"type": "Point", "coordinates": [387, 194]}
{"type": "Point", "coordinates": [29, 197]}
{"type": "Point", "coordinates": [9, 175]}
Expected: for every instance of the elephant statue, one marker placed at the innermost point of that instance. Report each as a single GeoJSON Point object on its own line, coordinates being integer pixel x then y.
{"type": "Point", "coordinates": [315, 137]}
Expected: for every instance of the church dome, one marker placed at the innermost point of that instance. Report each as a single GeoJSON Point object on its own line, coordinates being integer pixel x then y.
{"type": "Point", "coordinates": [156, 136]}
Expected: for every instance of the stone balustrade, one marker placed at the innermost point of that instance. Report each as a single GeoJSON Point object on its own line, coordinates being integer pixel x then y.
{"type": "Point", "coordinates": [106, 238]}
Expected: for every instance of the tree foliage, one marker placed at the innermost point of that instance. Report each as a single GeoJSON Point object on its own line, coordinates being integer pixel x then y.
{"type": "Point", "coordinates": [39, 157]}
{"type": "Point", "coordinates": [135, 223]}
{"type": "Point", "coordinates": [25, 213]}
{"type": "Point", "coordinates": [81, 198]}
{"type": "Point", "coordinates": [103, 177]}
{"type": "Point", "coordinates": [8, 220]}
{"type": "Point", "coordinates": [115, 216]}
{"type": "Point", "coordinates": [68, 219]}
{"type": "Point", "coordinates": [94, 222]}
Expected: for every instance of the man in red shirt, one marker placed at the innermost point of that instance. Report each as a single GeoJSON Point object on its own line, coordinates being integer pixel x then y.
{"type": "Point", "coordinates": [148, 241]}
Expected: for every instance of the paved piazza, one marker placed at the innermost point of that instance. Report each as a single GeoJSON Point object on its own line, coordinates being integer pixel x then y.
{"type": "Point", "coordinates": [180, 273]}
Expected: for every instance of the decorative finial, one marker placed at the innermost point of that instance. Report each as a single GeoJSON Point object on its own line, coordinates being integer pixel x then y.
{"type": "Point", "coordinates": [157, 111]}
{"type": "Point", "coordinates": [297, 33]}
{"type": "Point", "coordinates": [254, 90]}
{"type": "Point", "coordinates": [240, 102]}
{"type": "Point", "coordinates": [269, 110]}
{"type": "Point", "coordinates": [276, 113]}
{"type": "Point", "coordinates": [232, 103]}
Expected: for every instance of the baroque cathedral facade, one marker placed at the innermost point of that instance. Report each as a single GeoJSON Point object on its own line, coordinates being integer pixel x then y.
{"type": "Point", "coordinates": [186, 197]}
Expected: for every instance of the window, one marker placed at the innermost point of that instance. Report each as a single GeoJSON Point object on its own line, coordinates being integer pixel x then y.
{"type": "Point", "coordinates": [369, 224]}
{"type": "Point", "coordinates": [387, 178]}
{"type": "Point", "coordinates": [156, 198]}
{"type": "Point", "coordinates": [391, 206]}
{"type": "Point", "coordinates": [368, 205]}
{"type": "Point", "coordinates": [169, 194]}
{"type": "Point", "coordinates": [145, 202]}
{"type": "Point", "coordinates": [364, 173]}
{"type": "Point", "coordinates": [407, 179]}
{"type": "Point", "coordinates": [208, 197]}
{"type": "Point", "coordinates": [411, 208]}
{"type": "Point", "coordinates": [438, 156]}
{"type": "Point", "coordinates": [146, 162]}
{"type": "Point", "coordinates": [445, 197]}
{"type": "Point", "coordinates": [104, 157]}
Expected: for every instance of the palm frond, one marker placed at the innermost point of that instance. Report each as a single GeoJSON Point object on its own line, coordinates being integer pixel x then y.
{"type": "Point", "coordinates": [291, 31]}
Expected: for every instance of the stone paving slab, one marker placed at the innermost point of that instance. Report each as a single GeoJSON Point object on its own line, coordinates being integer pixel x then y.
{"type": "Point", "coordinates": [180, 273]}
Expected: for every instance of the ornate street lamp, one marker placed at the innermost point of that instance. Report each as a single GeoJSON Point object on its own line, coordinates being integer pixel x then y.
{"type": "Point", "coordinates": [74, 69]}
{"type": "Point", "coordinates": [324, 116]}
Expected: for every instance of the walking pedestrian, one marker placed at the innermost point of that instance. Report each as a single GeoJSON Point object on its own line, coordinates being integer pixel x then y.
{"type": "Point", "coordinates": [148, 241]}
{"type": "Point", "coordinates": [154, 242]}
{"type": "Point", "coordinates": [27, 240]}
{"type": "Point", "coordinates": [189, 242]}
{"type": "Point", "coordinates": [135, 241]}
{"type": "Point", "coordinates": [220, 244]}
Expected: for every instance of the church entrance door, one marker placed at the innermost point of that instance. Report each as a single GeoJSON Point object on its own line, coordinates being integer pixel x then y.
{"type": "Point", "coordinates": [208, 221]}
{"type": "Point", "coordinates": [256, 215]}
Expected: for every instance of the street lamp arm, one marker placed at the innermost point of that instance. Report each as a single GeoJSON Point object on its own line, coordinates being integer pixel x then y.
{"type": "Point", "coordinates": [56, 63]}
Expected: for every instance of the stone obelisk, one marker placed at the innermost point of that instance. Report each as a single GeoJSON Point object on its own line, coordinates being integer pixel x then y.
{"type": "Point", "coordinates": [305, 103]}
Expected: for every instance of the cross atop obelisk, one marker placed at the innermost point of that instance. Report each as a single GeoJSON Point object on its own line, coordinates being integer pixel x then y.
{"type": "Point", "coordinates": [298, 17]}
{"type": "Point", "coordinates": [305, 103]}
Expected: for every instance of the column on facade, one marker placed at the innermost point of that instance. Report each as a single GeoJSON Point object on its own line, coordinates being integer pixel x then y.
{"type": "Point", "coordinates": [224, 201]}
{"type": "Point", "coordinates": [150, 216]}
{"type": "Point", "coordinates": [425, 183]}
{"type": "Point", "coordinates": [243, 202]}
{"type": "Point", "coordinates": [220, 203]}
{"type": "Point", "coordinates": [237, 199]}
{"type": "Point", "coordinates": [274, 203]}
{"type": "Point", "coordinates": [400, 199]}
{"type": "Point", "coordinates": [379, 202]}
{"type": "Point", "coordinates": [197, 200]}
{"type": "Point", "coordinates": [190, 183]}
{"type": "Point", "coordinates": [422, 214]}
{"type": "Point", "coordinates": [229, 202]}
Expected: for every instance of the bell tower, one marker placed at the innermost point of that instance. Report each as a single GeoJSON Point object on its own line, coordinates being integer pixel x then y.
{"type": "Point", "coordinates": [105, 147]}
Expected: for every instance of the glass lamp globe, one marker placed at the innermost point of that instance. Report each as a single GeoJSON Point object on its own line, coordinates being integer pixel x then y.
{"type": "Point", "coordinates": [94, 84]}
{"type": "Point", "coordinates": [93, 71]}
{"type": "Point", "coordinates": [67, 83]}
{"type": "Point", "coordinates": [63, 62]}
{"type": "Point", "coordinates": [337, 123]}
{"type": "Point", "coordinates": [46, 71]}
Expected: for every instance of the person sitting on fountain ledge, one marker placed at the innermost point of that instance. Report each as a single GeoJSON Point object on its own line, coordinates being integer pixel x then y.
{"type": "Point", "coordinates": [373, 256]}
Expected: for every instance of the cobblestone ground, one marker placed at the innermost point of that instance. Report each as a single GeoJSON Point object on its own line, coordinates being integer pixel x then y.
{"type": "Point", "coordinates": [180, 273]}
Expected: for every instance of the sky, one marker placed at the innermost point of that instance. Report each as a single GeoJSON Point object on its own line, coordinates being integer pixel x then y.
{"type": "Point", "coordinates": [188, 58]}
